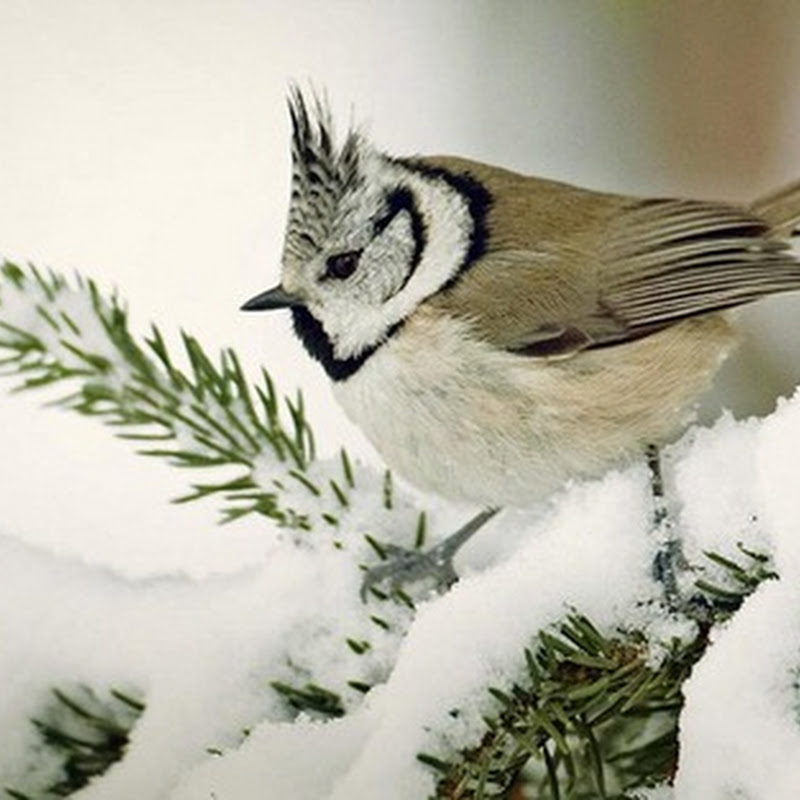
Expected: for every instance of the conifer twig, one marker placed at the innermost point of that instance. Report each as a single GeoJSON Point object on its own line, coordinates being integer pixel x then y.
{"type": "Point", "coordinates": [67, 334]}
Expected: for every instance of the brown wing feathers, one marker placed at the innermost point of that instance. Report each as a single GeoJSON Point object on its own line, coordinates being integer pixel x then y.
{"type": "Point", "coordinates": [568, 269]}
{"type": "Point", "coordinates": [780, 210]}
{"type": "Point", "coordinates": [672, 259]}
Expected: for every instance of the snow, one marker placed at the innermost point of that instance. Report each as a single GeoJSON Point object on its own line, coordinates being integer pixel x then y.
{"type": "Point", "coordinates": [203, 651]}
{"type": "Point", "coordinates": [739, 734]}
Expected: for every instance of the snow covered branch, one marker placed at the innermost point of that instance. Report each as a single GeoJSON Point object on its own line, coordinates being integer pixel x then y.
{"type": "Point", "coordinates": [552, 667]}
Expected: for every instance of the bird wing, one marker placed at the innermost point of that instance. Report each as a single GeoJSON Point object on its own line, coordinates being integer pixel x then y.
{"type": "Point", "coordinates": [637, 267]}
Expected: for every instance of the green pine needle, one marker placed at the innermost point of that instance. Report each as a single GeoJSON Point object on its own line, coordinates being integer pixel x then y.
{"type": "Point", "coordinates": [86, 732]}
{"type": "Point", "coordinates": [592, 718]}
{"type": "Point", "coordinates": [206, 416]}
{"type": "Point", "coordinates": [311, 699]}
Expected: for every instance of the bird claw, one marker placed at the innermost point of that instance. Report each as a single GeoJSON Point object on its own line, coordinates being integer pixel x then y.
{"type": "Point", "coordinates": [402, 567]}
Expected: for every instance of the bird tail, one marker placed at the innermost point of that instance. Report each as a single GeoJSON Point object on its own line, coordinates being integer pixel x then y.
{"type": "Point", "coordinates": [780, 210]}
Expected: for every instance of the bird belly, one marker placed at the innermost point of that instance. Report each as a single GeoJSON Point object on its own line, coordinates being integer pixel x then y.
{"type": "Point", "coordinates": [458, 417]}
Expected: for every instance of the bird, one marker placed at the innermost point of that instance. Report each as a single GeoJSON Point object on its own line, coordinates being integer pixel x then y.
{"type": "Point", "coordinates": [497, 335]}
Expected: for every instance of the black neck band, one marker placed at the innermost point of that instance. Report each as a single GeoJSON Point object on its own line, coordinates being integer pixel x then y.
{"type": "Point", "coordinates": [311, 333]}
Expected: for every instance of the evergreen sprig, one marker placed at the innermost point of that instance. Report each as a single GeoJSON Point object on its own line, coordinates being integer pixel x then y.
{"type": "Point", "coordinates": [84, 734]}
{"type": "Point", "coordinates": [595, 716]}
{"type": "Point", "coordinates": [311, 699]}
{"type": "Point", "coordinates": [66, 336]}
{"type": "Point", "coordinates": [55, 332]}
{"type": "Point", "coordinates": [567, 729]}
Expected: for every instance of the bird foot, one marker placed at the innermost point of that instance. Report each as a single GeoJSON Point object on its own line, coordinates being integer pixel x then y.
{"type": "Point", "coordinates": [402, 566]}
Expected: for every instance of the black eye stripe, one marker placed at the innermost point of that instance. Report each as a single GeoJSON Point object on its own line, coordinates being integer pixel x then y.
{"type": "Point", "coordinates": [383, 223]}
{"type": "Point", "coordinates": [341, 266]}
{"type": "Point", "coordinates": [396, 202]}
{"type": "Point", "coordinates": [402, 199]}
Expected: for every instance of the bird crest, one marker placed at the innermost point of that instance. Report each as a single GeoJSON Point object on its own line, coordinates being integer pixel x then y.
{"type": "Point", "coordinates": [321, 174]}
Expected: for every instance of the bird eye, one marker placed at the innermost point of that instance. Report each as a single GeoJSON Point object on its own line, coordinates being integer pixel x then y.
{"type": "Point", "coordinates": [342, 265]}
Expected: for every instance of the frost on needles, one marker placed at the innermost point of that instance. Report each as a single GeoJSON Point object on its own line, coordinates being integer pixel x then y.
{"type": "Point", "coordinates": [551, 671]}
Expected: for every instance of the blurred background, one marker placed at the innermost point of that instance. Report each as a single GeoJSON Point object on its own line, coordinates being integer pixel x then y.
{"type": "Point", "coordinates": [145, 143]}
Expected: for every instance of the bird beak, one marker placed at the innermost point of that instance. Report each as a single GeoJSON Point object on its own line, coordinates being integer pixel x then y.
{"type": "Point", "coordinates": [277, 297]}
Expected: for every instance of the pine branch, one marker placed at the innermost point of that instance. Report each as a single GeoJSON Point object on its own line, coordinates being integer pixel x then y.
{"type": "Point", "coordinates": [67, 336]}
{"type": "Point", "coordinates": [311, 699]}
{"type": "Point", "coordinates": [595, 716]}
{"type": "Point", "coordinates": [56, 333]}
{"type": "Point", "coordinates": [85, 734]}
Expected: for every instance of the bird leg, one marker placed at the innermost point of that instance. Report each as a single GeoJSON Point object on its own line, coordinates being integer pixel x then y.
{"type": "Point", "coordinates": [669, 560]}
{"type": "Point", "coordinates": [402, 566]}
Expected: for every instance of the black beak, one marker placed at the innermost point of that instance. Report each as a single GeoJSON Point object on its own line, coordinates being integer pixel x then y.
{"type": "Point", "coordinates": [276, 297]}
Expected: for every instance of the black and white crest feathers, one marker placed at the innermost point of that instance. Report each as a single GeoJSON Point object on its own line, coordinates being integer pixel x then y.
{"type": "Point", "coordinates": [321, 174]}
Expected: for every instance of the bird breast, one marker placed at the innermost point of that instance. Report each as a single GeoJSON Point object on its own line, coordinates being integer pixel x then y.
{"type": "Point", "coordinates": [456, 416]}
